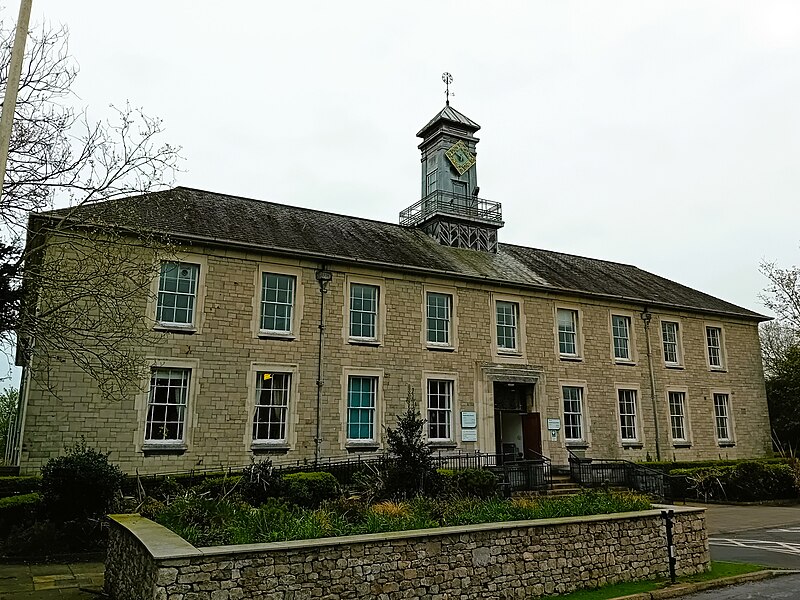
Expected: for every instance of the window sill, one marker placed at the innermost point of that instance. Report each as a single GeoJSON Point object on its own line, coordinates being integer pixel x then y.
{"type": "Point", "coordinates": [718, 369]}
{"type": "Point", "coordinates": [624, 363]}
{"type": "Point", "coordinates": [269, 448]}
{"type": "Point", "coordinates": [363, 342]}
{"type": "Point", "coordinates": [361, 446]}
{"type": "Point", "coordinates": [632, 445]}
{"type": "Point", "coordinates": [442, 444]}
{"type": "Point", "coordinates": [570, 358]}
{"type": "Point", "coordinates": [441, 348]}
{"type": "Point", "coordinates": [509, 352]}
{"type": "Point", "coordinates": [726, 444]}
{"type": "Point", "coordinates": [163, 449]}
{"type": "Point", "coordinates": [681, 444]}
{"type": "Point", "coordinates": [187, 329]}
{"type": "Point", "coordinates": [276, 335]}
{"type": "Point", "coordinates": [577, 445]}
{"type": "Point", "coordinates": [675, 367]}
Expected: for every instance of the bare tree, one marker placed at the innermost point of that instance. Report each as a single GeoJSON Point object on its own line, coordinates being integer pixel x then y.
{"type": "Point", "coordinates": [72, 281]}
{"type": "Point", "coordinates": [782, 295]}
{"type": "Point", "coordinates": [776, 340]}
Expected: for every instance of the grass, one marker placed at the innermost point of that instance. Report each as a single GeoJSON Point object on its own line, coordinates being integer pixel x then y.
{"type": "Point", "coordinates": [718, 570]}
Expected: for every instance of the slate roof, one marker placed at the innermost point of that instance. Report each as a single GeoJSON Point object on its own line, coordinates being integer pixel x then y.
{"type": "Point", "coordinates": [448, 113]}
{"type": "Point", "coordinates": [220, 219]}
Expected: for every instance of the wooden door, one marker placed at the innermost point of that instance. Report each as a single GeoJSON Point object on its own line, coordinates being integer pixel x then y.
{"type": "Point", "coordinates": [531, 435]}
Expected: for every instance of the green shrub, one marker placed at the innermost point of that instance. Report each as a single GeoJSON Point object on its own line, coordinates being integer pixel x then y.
{"type": "Point", "coordinates": [477, 483]}
{"type": "Point", "coordinates": [411, 472]}
{"type": "Point", "coordinates": [309, 489]}
{"type": "Point", "coordinates": [746, 481]}
{"type": "Point", "coordinates": [260, 482]}
{"type": "Point", "coordinates": [670, 466]}
{"type": "Point", "coordinates": [80, 484]}
{"type": "Point", "coordinates": [218, 487]}
{"type": "Point", "coordinates": [25, 484]}
{"type": "Point", "coordinates": [18, 511]}
{"type": "Point", "coordinates": [203, 521]}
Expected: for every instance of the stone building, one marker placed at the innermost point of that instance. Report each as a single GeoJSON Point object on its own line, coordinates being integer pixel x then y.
{"type": "Point", "coordinates": [508, 348]}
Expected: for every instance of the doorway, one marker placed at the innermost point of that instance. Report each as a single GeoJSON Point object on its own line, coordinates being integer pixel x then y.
{"type": "Point", "coordinates": [517, 429]}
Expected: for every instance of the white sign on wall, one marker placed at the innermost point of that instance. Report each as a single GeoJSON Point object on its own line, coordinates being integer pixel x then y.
{"type": "Point", "coordinates": [469, 435]}
{"type": "Point", "coordinates": [553, 424]}
{"type": "Point", "coordinates": [469, 419]}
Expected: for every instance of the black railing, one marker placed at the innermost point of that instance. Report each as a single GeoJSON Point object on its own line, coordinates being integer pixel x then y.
{"type": "Point", "coordinates": [590, 472]}
{"type": "Point", "coordinates": [515, 475]}
{"type": "Point", "coordinates": [457, 205]}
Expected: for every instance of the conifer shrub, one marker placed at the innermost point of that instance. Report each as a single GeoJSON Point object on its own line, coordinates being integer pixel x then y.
{"type": "Point", "coordinates": [476, 483]}
{"type": "Point", "coordinates": [309, 489]}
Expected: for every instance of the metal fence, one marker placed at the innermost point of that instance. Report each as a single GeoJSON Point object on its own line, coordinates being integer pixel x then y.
{"type": "Point", "coordinates": [590, 472]}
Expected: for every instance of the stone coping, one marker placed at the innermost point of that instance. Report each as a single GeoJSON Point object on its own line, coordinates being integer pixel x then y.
{"type": "Point", "coordinates": [163, 544]}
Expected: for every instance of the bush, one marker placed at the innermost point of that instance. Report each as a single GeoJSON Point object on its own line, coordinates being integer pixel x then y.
{"type": "Point", "coordinates": [25, 484]}
{"type": "Point", "coordinates": [81, 484]}
{"type": "Point", "coordinates": [476, 483]}
{"type": "Point", "coordinates": [412, 471]}
{"type": "Point", "coordinates": [309, 489]}
{"type": "Point", "coordinates": [18, 511]}
{"type": "Point", "coordinates": [218, 487]}
{"type": "Point", "coordinates": [260, 482]}
{"type": "Point", "coordinates": [743, 482]}
{"type": "Point", "coordinates": [670, 466]}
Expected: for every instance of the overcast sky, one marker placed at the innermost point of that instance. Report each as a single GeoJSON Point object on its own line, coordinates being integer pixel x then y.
{"type": "Point", "coordinates": [662, 134]}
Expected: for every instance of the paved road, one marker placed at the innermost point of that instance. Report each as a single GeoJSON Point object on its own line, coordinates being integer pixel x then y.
{"type": "Point", "coordinates": [786, 587]}
{"type": "Point", "coordinates": [765, 535]}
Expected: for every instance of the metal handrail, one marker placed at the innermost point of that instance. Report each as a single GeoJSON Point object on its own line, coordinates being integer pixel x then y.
{"type": "Point", "coordinates": [449, 203]}
{"type": "Point", "coordinates": [643, 479]}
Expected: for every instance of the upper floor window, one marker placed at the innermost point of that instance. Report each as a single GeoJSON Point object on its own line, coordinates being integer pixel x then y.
{"type": "Point", "coordinates": [271, 406]}
{"type": "Point", "coordinates": [669, 337]}
{"type": "Point", "coordinates": [722, 417]}
{"type": "Point", "coordinates": [440, 410]}
{"type": "Point", "coordinates": [573, 412]}
{"type": "Point", "coordinates": [439, 317]}
{"type": "Point", "coordinates": [430, 180]}
{"type": "Point", "coordinates": [363, 311]}
{"type": "Point", "coordinates": [677, 415]}
{"type": "Point", "coordinates": [714, 341]}
{"type": "Point", "coordinates": [361, 400]}
{"type": "Point", "coordinates": [567, 332]}
{"type": "Point", "coordinates": [177, 293]}
{"type": "Point", "coordinates": [507, 325]}
{"type": "Point", "coordinates": [277, 302]}
{"type": "Point", "coordinates": [621, 334]}
{"type": "Point", "coordinates": [166, 405]}
{"type": "Point", "coordinates": [627, 415]}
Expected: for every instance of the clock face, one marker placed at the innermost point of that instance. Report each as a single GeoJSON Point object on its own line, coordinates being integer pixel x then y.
{"type": "Point", "coordinates": [460, 157]}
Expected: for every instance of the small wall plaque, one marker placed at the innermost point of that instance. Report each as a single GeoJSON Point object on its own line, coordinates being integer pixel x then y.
{"type": "Point", "coordinates": [469, 419]}
{"type": "Point", "coordinates": [553, 424]}
{"type": "Point", "coordinates": [469, 435]}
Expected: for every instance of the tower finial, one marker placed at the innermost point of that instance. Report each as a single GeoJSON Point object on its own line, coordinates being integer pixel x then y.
{"type": "Point", "coordinates": [448, 79]}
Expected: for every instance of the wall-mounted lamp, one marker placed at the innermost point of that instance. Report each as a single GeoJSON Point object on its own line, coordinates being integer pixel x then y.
{"type": "Point", "coordinates": [323, 278]}
{"type": "Point", "coordinates": [646, 317]}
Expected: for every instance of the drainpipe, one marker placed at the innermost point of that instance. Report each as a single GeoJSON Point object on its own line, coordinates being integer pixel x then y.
{"type": "Point", "coordinates": [646, 317]}
{"type": "Point", "coordinates": [323, 277]}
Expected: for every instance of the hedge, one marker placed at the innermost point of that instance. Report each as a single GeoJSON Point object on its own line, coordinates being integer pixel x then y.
{"type": "Point", "coordinates": [309, 489]}
{"type": "Point", "coordinates": [746, 481]}
{"type": "Point", "coordinates": [476, 483]}
{"type": "Point", "coordinates": [18, 510]}
{"type": "Point", "coordinates": [670, 466]}
{"type": "Point", "coordinates": [21, 484]}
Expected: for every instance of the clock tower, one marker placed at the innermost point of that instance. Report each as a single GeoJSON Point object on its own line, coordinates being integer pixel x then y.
{"type": "Point", "coordinates": [450, 210]}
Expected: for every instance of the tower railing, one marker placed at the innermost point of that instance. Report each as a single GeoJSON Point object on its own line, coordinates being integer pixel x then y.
{"type": "Point", "coordinates": [456, 205]}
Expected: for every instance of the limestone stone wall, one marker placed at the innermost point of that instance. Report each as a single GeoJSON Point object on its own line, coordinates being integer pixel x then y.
{"type": "Point", "coordinates": [497, 560]}
{"type": "Point", "coordinates": [62, 405]}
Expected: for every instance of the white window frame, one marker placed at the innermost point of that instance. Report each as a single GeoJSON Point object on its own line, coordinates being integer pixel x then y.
{"type": "Point", "coordinates": [452, 331]}
{"type": "Point", "coordinates": [577, 319]}
{"type": "Point", "coordinates": [377, 410]}
{"type": "Point", "coordinates": [581, 414]}
{"type": "Point", "coordinates": [258, 299]}
{"type": "Point", "coordinates": [678, 362]}
{"type": "Point", "coordinates": [142, 405]}
{"type": "Point", "coordinates": [720, 348]}
{"type": "Point", "coordinates": [719, 417]}
{"type": "Point", "coordinates": [628, 320]}
{"type": "Point", "coordinates": [290, 438]}
{"type": "Point", "coordinates": [157, 373]}
{"type": "Point", "coordinates": [353, 311]}
{"type": "Point", "coordinates": [637, 430]}
{"type": "Point", "coordinates": [448, 411]}
{"type": "Point", "coordinates": [155, 307]}
{"type": "Point", "coordinates": [284, 406]}
{"type": "Point", "coordinates": [513, 326]}
{"type": "Point", "coordinates": [380, 309]}
{"type": "Point", "coordinates": [683, 417]}
{"type": "Point", "coordinates": [265, 275]}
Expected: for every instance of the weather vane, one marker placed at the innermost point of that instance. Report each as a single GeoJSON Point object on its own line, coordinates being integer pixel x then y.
{"type": "Point", "coordinates": [448, 79]}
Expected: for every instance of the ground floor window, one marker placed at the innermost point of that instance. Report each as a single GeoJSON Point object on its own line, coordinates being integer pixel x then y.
{"type": "Point", "coordinates": [627, 415]}
{"type": "Point", "coordinates": [722, 417]}
{"type": "Point", "coordinates": [166, 405]}
{"type": "Point", "coordinates": [573, 412]}
{"type": "Point", "coordinates": [440, 409]}
{"type": "Point", "coordinates": [361, 397]}
{"type": "Point", "coordinates": [677, 415]}
{"type": "Point", "coordinates": [271, 406]}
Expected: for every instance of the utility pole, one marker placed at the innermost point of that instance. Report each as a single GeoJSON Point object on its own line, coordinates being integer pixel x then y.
{"type": "Point", "coordinates": [12, 85]}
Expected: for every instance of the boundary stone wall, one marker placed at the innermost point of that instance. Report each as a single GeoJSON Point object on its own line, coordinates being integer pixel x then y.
{"type": "Point", "coordinates": [494, 560]}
